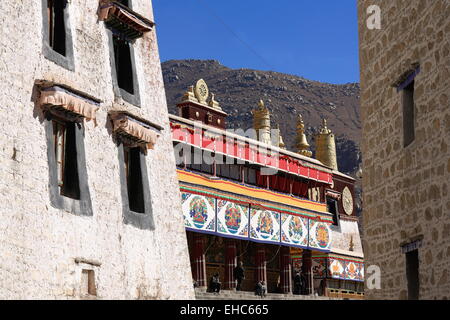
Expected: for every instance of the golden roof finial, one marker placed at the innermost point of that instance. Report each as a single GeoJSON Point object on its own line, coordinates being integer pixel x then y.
{"type": "Point", "coordinates": [261, 104]}
{"type": "Point", "coordinates": [326, 146]}
{"type": "Point", "coordinates": [324, 129]}
{"type": "Point", "coordinates": [280, 143]}
{"type": "Point", "coordinates": [189, 95]}
{"type": "Point", "coordinates": [301, 141]}
{"type": "Point", "coordinates": [201, 91]}
{"type": "Point", "coordinates": [261, 122]}
{"type": "Point", "coordinates": [213, 103]}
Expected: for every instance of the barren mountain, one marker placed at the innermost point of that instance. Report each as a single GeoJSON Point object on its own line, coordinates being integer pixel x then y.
{"type": "Point", "coordinates": [239, 90]}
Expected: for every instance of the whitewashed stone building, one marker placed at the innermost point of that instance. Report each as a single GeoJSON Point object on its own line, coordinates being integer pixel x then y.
{"type": "Point", "coordinates": [88, 189]}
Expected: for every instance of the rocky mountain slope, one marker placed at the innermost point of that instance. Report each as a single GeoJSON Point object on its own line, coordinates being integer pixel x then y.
{"type": "Point", "coordinates": [239, 91]}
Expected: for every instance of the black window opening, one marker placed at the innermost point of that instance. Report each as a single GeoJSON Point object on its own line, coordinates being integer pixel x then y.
{"type": "Point", "coordinates": [66, 158]}
{"type": "Point", "coordinates": [57, 25]}
{"type": "Point", "coordinates": [250, 176]}
{"type": "Point", "coordinates": [124, 2]}
{"type": "Point", "coordinates": [228, 169]}
{"type": "Point", "coordinates": [412, 274]}
{"type": "Point", "coordinates": [195, 162]}
{"type": "Point", "coordinates": [123, 64]}
{"type": "Point", "coordinates": [133, 174]}
{"type": "Point", "coordinates": [408, 115]}
{"type": "Point", "coordinates": [333, 209]}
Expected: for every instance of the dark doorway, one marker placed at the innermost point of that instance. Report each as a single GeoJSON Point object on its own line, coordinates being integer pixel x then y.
{"type": "Point", "coordinates": [412, 274]}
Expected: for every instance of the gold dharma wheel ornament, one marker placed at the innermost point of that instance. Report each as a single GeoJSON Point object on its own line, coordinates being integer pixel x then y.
{"type": "Point", "coordinates": [201, 91]}
{"type": "Point", "coordinates": [347, 201]}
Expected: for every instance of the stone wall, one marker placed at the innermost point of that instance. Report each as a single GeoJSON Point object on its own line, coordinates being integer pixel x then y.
{"type": "Point", "coordinates": [406, 189]}
{"type": "Point", "coordinates": [39, 244]}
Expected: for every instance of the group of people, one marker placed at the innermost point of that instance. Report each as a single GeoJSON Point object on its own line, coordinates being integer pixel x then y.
{"type": "Point", "coordinates": [300, 283]}
{"type": "Point", "coordinates": [239, 275]}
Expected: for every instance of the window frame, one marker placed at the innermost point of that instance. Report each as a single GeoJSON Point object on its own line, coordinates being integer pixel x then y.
{"type": "Point", "coordinates": [336, 216]}
{"type": "Point", "coordinates": [409, 114]}
{"type": "Point", "coordinates": [82, 206]}
{"type": "Point", "coordinates": [66, 61]}
{"type": "Point", "coordinates": [144, 220]}
{"type": "Point", "coordinates": [135, 98]}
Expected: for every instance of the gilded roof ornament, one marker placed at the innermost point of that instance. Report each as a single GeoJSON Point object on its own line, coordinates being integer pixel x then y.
{"type": "Point", "coordinates": [301, 141]}
{"type": "Point", "coordinates": [261, 104]}
{"type": "Point", "coordinates": [326, 146]}
{"type": "Point", "coordinates": [213, 103]}
{"type": "Point", "coordinates": [201, 91]}
{"type": "Point", "coordinates": [189, 95]}
{"type": "Point", "coordinates": [324, 129]}
{"type": "Point", "coordinates": [351, 246]}
{"type": "Point", "coordinates": [280, 142]}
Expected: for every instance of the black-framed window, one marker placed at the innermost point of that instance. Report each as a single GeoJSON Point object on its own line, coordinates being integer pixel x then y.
{"type": "Point", "coordinates": [135, 188]}
{"type": "Point", "coordinates": [408, 114]}
{"type": "Point", "coordinates": [66, 158]}
{"type": "Point", "coordinates": [195, 161]}
{"type": "Point", "coordinates": [332, 207]}
{"type": "Point", "coordinates": [123, 65]}
{"type": "Point", "coordinates": [133, 173]}
{"type": "Point", "coordinates": [123, 69]}
{"type": "Point", "coordinates": [57, 35]}
{"type": "Point", "coordinates": [68, 179]}
{"type": "Point", "coordinates": [124, 2]}
{"type": "Point", "coordinates": [250, 175]}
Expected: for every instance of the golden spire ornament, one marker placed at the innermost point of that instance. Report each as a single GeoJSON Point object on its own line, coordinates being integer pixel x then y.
{"type": "Point", "coordinates": [326, 147]}
{"type": "Point", "coordinates": [213, 103]}
{"type": "Point", "coordinates": [189, 95]}
{"type": "Point", "coordinates": [261, 122]}
{"type": "Point", "coordinates": [301, 141]}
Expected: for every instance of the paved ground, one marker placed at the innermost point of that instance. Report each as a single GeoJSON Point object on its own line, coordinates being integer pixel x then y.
{"type": "Point", "coordinates": [200, 294]}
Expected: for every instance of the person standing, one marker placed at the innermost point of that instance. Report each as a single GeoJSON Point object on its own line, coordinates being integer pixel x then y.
{"type": "Point", "coordinates": [297, 283]}
{"type": "Point", "coordinates": [239, 275]}
{"type": "Point", "coordinates": [303, 284]}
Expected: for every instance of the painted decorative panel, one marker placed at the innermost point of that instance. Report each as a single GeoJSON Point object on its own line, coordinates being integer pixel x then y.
{"type": "Point", "coordinates": [346, 270]}
{"type": "Point", "coordinates": [337, 268]}
{"type": "Point", "coordinates": [354, 271]}
{"type": "Point", "coordinates": [294, 230]}
{"type": "Point", "coordinates": [319, 266]}
{"type": "Point", "coordinates": [232, 219]}
{"type": "Point", "coordinates": [199, 212]}
{"type": "Point", "coordinates": [264, 225]}
{"type": "Point", "coordinates": [319, 235]}
{"type": "Point", "coordinates": [297, 263]}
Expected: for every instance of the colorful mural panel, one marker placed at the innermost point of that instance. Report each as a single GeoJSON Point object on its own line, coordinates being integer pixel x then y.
{"type": "Point", "coordinates": [346, 270]}
{"type": "Point", "coordinates": [337, 269]}
{"type": "Point", "coordinates": [232, 219]}
{"type": "Point", "coordinates": [294, 230]}
{"type": "Point", "coordinates": [264, 225]}
{"type": "Point", "coordinates": [319, 235]}
{"type": "Point", "coordinates": [319, 266]}
{"type": "Point", "coordinates": [199, 212]}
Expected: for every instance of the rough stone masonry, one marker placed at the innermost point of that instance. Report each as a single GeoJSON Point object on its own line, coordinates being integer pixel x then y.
{"type": "Point", "coordinates": [406, 188]}
{"type": "Point", "coordinates": [51, 253]}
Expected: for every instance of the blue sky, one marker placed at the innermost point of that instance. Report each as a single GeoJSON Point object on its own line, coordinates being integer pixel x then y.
{"type": "Point", "coordinates": [315, 39]}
